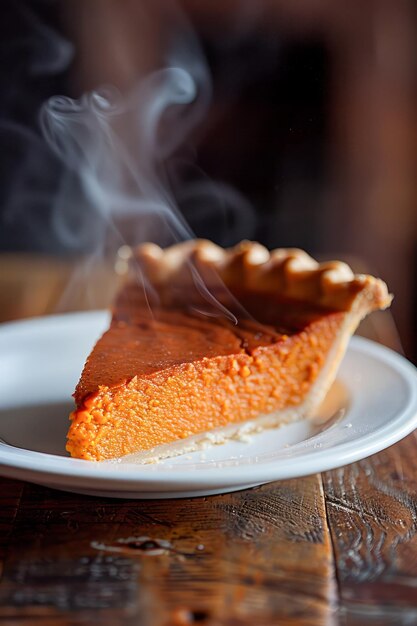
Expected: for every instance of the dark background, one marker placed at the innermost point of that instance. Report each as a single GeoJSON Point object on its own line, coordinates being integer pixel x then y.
{"type": "Point", "coordinates": [312, 123]}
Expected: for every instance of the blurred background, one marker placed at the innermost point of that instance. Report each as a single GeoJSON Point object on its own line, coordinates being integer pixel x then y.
{"type": "Point", "coordinates": [305, 136]}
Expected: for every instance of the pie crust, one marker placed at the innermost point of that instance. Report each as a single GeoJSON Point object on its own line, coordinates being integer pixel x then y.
{"type": "Point", "coordinates": [165, 380]}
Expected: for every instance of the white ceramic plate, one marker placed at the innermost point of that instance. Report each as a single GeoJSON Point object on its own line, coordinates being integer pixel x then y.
{"type": "Point", "coordinates": [373, 405]}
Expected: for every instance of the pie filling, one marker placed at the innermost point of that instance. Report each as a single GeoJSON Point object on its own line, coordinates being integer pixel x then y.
{"type": "Point", "coordinates": [219, 341]}
{"type": "Point", "coordinates": [164, 373]}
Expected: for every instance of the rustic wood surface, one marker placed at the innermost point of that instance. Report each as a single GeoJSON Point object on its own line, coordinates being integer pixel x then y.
{"type": "Point", "coordinates": [372, 513]}
{"type": "Point", "coordinates": [336, 549]}
{"type": "Point", "coordinates": [257, 556]}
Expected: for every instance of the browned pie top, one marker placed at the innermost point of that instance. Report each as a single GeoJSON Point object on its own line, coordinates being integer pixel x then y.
{"type": "Point", "coordinates": [195, 300]}
{"type": "Point", "coordinates": [146, 336]}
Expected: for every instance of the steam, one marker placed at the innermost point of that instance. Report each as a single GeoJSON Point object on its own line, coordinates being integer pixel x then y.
{"type": "Point", "coordinates": [114, 149]}
{"type": "Point", "coordinates": [124, 153]}
{"type": "Point", "coordinates": [34, 56]}
{"type": "Point", "coordinates": [111, 165]}
{"type": "Point", "coordinates": [49, 53]}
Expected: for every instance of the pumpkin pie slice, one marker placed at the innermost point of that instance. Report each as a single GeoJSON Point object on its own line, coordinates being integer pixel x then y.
{"type": "Point", "coordinates": [205, 343]}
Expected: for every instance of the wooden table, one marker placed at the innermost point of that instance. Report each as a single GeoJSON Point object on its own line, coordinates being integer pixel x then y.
{"type": "Point", "coordinates": [336, 548]}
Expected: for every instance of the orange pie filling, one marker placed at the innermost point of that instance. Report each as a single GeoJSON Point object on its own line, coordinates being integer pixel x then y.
{"type": "Point", "coordinates": [194, 397]}
{"type": "Point", "coordinates": [210, 343]}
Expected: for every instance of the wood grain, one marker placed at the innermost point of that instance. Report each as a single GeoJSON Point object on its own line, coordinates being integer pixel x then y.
{"type": "Point", "coordinates": [260, 556]}
{"type": "Point", "coordinates": [10, 496]}
{"type": "Point", "coordinates": [372, 513]}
